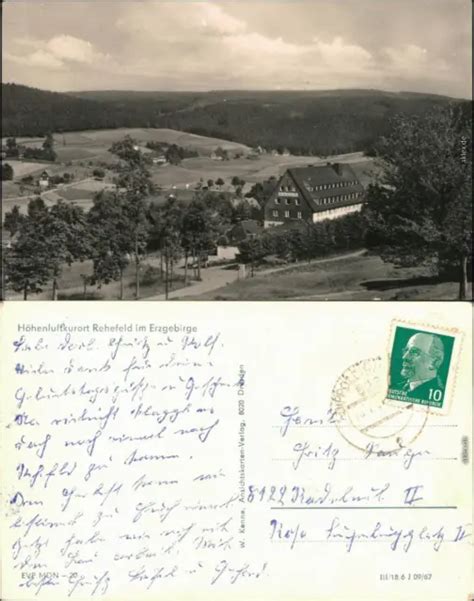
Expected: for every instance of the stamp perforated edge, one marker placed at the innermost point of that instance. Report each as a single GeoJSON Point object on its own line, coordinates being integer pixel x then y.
{"type": "Point", "coordinates": [451, 380]}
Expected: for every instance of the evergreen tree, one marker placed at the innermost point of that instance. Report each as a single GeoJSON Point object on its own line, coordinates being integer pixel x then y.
{"type": "Point", "coordinates": [28, 262]}
{"type": "Point", "coordinates": [7, 172]}
{"type": "Point", "coordinates": [421, 209]}
{"type": "Point", "coordinates": [108, 225]}
{"type": "Point", "coordinates": [12, 148]}
{"type": "Point", "coordinates": [48, 148]}
{"type": "Point", "coordinates": [13, 220]}
{"type": "Point", "coordinates": [134, 186]}
{"type": "Point", "coordinates": [64, 230]}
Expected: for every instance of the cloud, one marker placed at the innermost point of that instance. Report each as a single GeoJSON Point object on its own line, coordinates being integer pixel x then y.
{"type": "Point", "coordinates": [407, 58]}
{"type": "Point", "coordinates": [215, 21]}
{"type": "Point", "coordinates": [39, 58]}
{"type": "Point", "coordinates": [202, 42]}
{"type": "Point", "coordinates": [342, 55]}
{"type": "Point", "coordinates": [164, 21]}
{"type": "Point", "coordinates": [412, 61]}
{"type": "Point", "coordinates": [216, 45]}
{"type": "Point", "coordinates": [69, 48]}
{"type": "Point", "coordinates": [57, 52]}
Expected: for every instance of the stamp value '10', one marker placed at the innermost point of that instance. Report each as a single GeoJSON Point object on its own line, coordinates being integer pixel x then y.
{"type": "Point", "coordinates": [420, 364]}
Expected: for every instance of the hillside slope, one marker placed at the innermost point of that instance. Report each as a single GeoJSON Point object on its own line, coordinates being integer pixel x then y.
{"type": "Point", "coordinates": [32, 112]}
{"type": "Point", "coordinates": [305, 122]}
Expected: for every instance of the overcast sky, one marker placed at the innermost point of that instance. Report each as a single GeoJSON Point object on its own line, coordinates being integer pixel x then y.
{"type": "Point", "coordinates": [418, 45]}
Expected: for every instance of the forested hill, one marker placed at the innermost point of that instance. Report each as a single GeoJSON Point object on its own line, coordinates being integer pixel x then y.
{"type": "Point", "coordinates": [304, 122]}
{"type": "Point", "coordinates": [31, 112]}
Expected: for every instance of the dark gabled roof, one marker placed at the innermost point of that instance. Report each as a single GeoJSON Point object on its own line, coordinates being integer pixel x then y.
{"type": "Point", "coordinates": [307, 178]}
{"type": "Point", "coordinates": [269, 186]}
{"type": "Point", "coordinates": [250, 226]}
{"type": "Point", "coordinates": [247, 227]}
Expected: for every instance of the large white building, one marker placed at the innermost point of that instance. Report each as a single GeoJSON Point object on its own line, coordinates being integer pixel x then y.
{"type": "Point", "coordinates": [314, 193]}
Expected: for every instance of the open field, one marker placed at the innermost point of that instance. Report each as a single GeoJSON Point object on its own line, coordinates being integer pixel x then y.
{"type": "Point", "coordinates": [80, 193]}
{"type": "Point", "coordinates": [170, 136]}
{"type": "Point", "coordinates": [83, 191]}
{"type": "Point", "coordinates": [74, 194]}
{"type": "Point", "coordinates": [191, 170]}
{"type": "Point", "coordinates": [22, 168]}
{"type": "Point", "coordinates": [85, 145]}
{"type": "Point", "coordinates": [356, 278]}
{"type": "Point", "coordinates": [10, 190]}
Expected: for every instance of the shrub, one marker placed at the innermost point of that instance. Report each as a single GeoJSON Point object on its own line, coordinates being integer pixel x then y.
{"type": "Point", "coordinates": [7, 172]}
{"type": "Point", "coordinates": [100, 173]}
{"type": "Point", "coordinates": [149, 276]}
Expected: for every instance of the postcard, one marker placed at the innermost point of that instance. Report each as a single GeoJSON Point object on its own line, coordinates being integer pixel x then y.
{"type": "Point", "coordinates": [246, 451]}
{"type": "Point", "coordinates": [280, 150]}
{"type": "Point", "coordinates": [237, 150]}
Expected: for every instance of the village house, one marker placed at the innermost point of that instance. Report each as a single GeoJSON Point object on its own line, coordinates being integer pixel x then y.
{"type": "Point", "coordinates": [44, 180]}
{"type": "Point", "coordinates": [314, 193]}
{"type": "Point", "coordinates": [248, 228]}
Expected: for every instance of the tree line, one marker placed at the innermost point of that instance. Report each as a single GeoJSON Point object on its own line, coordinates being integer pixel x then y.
{"type": "Point", "coordinates": [419, 211]}
{"type": "Point", "coordinates": [173, 153]}
{"type": "Point", "coordinates": [305, 241]}
{"type": "Point", "coordinates": [44, 153]}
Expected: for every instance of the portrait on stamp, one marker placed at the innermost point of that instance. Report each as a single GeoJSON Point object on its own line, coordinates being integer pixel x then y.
{"type": "Point", "coordinates": [419, 366]}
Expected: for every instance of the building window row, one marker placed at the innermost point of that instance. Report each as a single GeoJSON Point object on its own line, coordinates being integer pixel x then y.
{"type": "Point", "coordinates": [288, 189]}
{"type": "Point", "coordinates": [331, 186]}
{"type": "Point", "coordinates": [276, 213]}
{"type": "Point", "coordinates": [341, 198]}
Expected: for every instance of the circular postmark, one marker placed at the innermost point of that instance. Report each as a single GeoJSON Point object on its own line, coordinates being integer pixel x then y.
{"type": "Point", "coordinates": [364, 417]}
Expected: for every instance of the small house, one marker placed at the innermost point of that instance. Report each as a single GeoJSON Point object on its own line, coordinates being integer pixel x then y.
{"type": "Point", "coordinates": [248, 228]}
{"type": "Point", "coordinates": [44, 180]}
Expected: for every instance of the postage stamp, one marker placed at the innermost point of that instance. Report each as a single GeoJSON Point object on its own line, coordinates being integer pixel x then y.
{"type": "Point", "coordinates": [420, 363]}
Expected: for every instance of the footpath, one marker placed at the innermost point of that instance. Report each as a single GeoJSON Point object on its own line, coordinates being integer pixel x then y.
{"type": "Point", "coordinates": [218, 277]}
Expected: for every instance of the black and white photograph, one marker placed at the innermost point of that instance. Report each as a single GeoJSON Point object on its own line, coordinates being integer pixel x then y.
{"type": "Point", "coordinates": [234, 150]}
